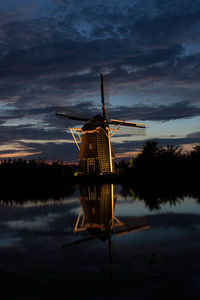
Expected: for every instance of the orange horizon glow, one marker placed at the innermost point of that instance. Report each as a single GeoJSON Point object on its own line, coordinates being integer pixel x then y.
{"type": "Point", "coordinates": [127, 154]}
{"type": "Point", "coordinates": [18, 154]}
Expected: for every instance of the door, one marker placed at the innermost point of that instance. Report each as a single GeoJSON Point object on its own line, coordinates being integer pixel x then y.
{"type": "Point", "coordinates": [91, 165]}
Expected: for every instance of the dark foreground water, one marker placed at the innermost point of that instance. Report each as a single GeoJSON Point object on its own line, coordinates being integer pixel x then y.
{"type": "Point", "coordinates": [102, 242]}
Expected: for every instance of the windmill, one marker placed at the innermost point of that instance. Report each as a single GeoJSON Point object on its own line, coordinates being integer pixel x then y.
{"type": "Point", "coordinates": [97, 213]}
{"type": "Point", "coordinates": [97, 218]}
{"type": "Point", "coordinates": [97, 203]}
{"type": "Point", "coordinates": [95, 150]}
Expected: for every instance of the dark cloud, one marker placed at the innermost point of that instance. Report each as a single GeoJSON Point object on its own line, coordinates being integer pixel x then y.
{"type": "Point", "coordinates": [52, 151]}
{"type": "Point", "coordinates": [167, 30]}
{"type": "Point", "coordinates": [180, 110]}
{"type": "Point", "coordinates": [51, 128]}
{"type": "Point", "coordinates": [47, 115]}
{"type": "Point", "coordinates": [14, 113]}
{"type": "Point", "coordinates": [194, 135]}
{"type": "Point", "coordinates": [154, 56]}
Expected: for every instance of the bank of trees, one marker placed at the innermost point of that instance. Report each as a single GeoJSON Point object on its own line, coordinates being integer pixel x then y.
{"type": "Point", "coordinates": [162, 162]}
{"type": "Point", "coordinates": [37, 169]}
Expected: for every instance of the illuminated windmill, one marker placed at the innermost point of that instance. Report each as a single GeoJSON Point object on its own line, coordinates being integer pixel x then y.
{"type": "Point", "coordinates": [97, 218]}
{"type": "Point", "coordinates": [95, 151]}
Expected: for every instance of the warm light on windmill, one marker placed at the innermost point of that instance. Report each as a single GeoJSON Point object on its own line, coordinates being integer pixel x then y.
{"type": "Point", "coordinates": [96, 154]}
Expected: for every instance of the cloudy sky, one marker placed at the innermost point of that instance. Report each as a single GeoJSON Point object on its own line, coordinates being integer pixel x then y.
{"type": "Point", "coordinates": [52, 51]}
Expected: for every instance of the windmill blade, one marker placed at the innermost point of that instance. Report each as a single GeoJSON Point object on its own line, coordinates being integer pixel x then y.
{"type": "Point", "coordinates": [61, 112]}
{"type": "Point", "coordinates": [124, 128]}
{"type": "Point", "coordinates": [78, 242]}
{"type": "Point", "coordinates": [127, 131]}
{"type": "Point", "coordinates": [102, 95]}
{"type": "Point", "coordinates": [106, 94]}
{"type": "Point", "coordinates": [64, 116]}
{"type": "Point", "coordinates": [125, 123]}
{"type": "Point", "coordinates": [132, 230]}
{"type": "Point", "coordinates": [134, 224]}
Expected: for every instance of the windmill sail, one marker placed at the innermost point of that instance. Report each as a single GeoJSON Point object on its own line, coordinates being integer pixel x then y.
{"type": "Point", "coordinates": [125, 128]}
{"type": "Point", "coordinates": [106, 81]}
{"type": "Point", "coordinates": [62, 112]}
{"type": "Point", "coordinates": [102, 96]}
{"type": "Point", "coordinates": [125, 123]}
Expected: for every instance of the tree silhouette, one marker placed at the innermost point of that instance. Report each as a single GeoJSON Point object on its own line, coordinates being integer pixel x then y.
{"type": "Point", "coordinates": [149, 149]}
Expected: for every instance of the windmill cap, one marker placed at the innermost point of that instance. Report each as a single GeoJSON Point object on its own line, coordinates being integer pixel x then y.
{"type": "Point", "coordinates": [94, 122]}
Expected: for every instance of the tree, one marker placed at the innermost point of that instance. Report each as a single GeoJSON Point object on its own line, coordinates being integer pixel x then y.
{"type": "Point", "coordinates": [150, 149]}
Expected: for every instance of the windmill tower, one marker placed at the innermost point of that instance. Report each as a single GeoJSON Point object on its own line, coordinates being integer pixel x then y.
{"type": "Point", "coordinates": [96, 155]}
{"type": "Point", "coordinates": [97, 205]}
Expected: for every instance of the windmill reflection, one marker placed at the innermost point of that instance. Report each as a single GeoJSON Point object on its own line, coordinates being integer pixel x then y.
{"type": "Point", "coordinates": [97, 217]}
{"type": "Point", "coordinates": [97, 212]}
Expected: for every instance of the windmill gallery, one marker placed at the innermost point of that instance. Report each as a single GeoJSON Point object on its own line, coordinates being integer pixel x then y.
{"type": "Point", "coordinates": [96, 154]}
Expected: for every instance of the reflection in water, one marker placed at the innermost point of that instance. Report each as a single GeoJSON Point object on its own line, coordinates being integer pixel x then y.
{"type": "Point", "coordinates": [156, 195]}
{"type": "Point", "coordinates": [97, 214]}
{"type": "Point", "coordinates": [6, 239]}
{"type": "Point", "coordinates": [36, 223]}
{"type": "Point", "coordinates": [20, 193]}
{"type": "Point", "coordinates": [98, 203]}
{"type": "Point", "coordinates": [97, 217]}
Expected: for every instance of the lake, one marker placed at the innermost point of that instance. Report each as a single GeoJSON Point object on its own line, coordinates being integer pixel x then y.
{"type": "Point", "coordinates": [102, 242]}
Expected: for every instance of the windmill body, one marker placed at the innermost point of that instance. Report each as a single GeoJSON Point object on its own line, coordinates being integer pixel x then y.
{"type": "Point", "coordinates": [96, 155]}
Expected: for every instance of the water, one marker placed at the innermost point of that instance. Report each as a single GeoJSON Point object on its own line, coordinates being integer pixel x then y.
{"type": "Point", "coordinates": [133, 247]}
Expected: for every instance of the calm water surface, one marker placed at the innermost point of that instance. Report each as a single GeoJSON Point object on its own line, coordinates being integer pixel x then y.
{"type": "Point", "coordinates": [104, 232]}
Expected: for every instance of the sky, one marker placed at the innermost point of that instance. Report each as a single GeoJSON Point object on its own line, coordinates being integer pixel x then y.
{"type": "Point", "coordinates": [52, 52]}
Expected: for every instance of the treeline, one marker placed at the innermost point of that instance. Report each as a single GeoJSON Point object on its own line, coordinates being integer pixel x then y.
{"type": "Point", "coordinates": [160, 163]}
{"type": "Point", "coordinates": [160, 175]}
{"type": "Point", "coordinates": [35, 180]}
{"type": "Point", "coordinates": [35, 169]}
{"type": "Point", "coordinates": [153, 162]}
